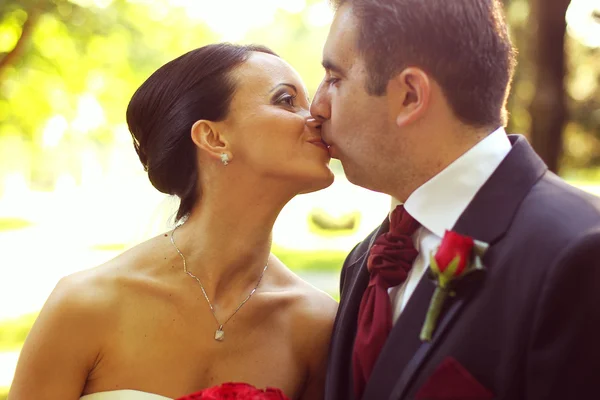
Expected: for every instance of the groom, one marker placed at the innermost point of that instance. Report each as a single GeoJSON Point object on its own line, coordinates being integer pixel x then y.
{"type": "Point", "coordinates": [413, 104]}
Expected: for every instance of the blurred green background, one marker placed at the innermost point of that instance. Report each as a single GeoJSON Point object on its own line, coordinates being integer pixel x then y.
{"type": "Point", "coordinates": [73, 194]}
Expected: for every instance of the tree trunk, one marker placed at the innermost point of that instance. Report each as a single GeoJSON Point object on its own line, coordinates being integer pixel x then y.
{"type": "Point", "coordinates": [548, 108]}
{"type": "Point", "coordinates": [12, 56]}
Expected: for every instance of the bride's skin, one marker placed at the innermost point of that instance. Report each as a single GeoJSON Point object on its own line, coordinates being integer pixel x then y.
{"type": "Point", "coordinates": [138, 322]}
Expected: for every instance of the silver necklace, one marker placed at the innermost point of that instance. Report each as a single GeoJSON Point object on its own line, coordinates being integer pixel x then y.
{"type": "Point", "coordinates": [219, 334]}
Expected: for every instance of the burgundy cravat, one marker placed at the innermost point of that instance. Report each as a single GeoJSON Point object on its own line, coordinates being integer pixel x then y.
{"type": "Point", "coordinates": [389, 263]}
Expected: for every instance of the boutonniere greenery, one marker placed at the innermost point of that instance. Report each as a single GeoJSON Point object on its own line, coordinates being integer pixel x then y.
{"type": "Point", "coordinates": [457, 257]}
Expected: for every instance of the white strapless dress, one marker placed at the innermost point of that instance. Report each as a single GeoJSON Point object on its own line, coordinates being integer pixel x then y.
{"type": "Point", "coordinates": [124, 395]}
{"type": "Point", "coordinates": [225, 389]}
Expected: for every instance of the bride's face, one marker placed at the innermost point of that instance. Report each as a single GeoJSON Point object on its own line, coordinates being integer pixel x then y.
{"type": "Point", "coordinates": [267, 122]}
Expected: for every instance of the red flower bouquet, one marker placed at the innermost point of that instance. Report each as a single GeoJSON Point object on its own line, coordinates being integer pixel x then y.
{"type": "Point", "coordinates": [241, 391]}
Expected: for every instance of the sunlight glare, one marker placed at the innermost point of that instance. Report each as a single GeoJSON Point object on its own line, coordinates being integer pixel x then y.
{"type": "Point", "coordinates": [319, 14]}
{"type": "Point", "coordinates": [54, 131]}
{"type": "Point", "coordinates": [90, 3]}
{"type": "Point", "coordinates": [581, 22]}
{"type": "Point", "coordinates": [232, 19]}
{"type": "Point", "coordinates": [90, 114]}
{"type": "Point", "coordinates": [15, 185]}
{"type": "Point", "coordinates": [65, 183]}
{"type": "Point", "coordinates": [102, 3]}
{"type": "Point", "coordinates": [158, 11]}
{"type": "Point", "coordinates": [8, 38]}
{"type": "Point", "coordinates": [292, 6]}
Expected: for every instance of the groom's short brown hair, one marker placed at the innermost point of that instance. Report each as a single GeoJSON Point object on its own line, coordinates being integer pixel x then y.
{"type": "Point", "coordinates": [462, 44]}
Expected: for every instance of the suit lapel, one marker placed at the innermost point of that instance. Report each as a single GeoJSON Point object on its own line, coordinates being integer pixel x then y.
{"type": "Point", "coordinates": [487, 218]}
{"type": "Point", "coordinates": [340, 362]}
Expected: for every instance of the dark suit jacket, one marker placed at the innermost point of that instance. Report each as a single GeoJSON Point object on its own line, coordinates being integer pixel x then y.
{"type": "Point", "coordinates": [529, 328]}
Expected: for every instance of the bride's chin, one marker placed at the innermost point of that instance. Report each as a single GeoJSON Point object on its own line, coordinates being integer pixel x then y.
{"type": "Point", "coordinates": [316, 183]}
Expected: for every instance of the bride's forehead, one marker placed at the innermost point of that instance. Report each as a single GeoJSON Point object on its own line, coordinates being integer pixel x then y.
{"type": "Point", "coordinates": [262, 69]}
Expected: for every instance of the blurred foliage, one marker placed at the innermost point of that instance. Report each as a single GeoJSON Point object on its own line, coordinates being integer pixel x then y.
{"type": "Point", "coordinates": [81, 65]}
{"type": "Point", "coordinates": [76, 51]}
{"type": "Point", "coordinates": [9, 224]}
{"type": "Point", "coordinates": [110, 247]}
{"type": "Point", "coordinates": [323, 223]}
{"type": "Point", "coordinates": [311, 261]}
{"type": "Point", "coordinates": [14, 331]}
{"type": "Point", "coordinates": [582, 133]}
{"type": "Point", "coordinates": [582, 136]}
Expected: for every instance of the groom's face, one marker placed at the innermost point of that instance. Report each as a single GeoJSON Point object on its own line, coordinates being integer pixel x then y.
{"type": "Point", "coordinates": [354, 123]}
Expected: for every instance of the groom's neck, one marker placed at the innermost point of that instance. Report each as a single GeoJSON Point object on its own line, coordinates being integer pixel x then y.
{"type": "Point", "coordinates": [441, 143]}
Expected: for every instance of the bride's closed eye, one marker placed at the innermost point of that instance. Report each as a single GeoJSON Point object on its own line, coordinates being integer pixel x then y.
{"type": "Point", "coordinates": [286, 99]}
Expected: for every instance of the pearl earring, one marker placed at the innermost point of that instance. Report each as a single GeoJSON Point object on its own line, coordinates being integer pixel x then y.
{"type": "Point", "coordinates": [224, 158]}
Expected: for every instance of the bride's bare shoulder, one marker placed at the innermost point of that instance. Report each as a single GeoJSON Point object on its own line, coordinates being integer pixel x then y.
{"type": "Point", "coordinates": [311, 308]}
{"type": "Point", "coordinates": [104, 286]}
{"type": "Point", "coordinates": [75, 325]}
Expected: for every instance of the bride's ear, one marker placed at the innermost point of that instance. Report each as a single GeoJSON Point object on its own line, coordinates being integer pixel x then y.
{"type": "Point", "coordinates": [208, 137]}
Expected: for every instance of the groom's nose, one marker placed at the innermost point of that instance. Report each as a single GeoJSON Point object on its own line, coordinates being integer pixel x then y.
{"type": "Point", "coordinates": [321, 105]}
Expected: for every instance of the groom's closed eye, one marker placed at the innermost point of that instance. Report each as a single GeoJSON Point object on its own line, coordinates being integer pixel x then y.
{"type": "Point", "coordinates": [330, 66]}
{"type": "Point", "coordinates": [332, 80]}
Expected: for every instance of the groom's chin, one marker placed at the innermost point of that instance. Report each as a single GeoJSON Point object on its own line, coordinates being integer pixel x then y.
{"type": "Point", "coordinates": [333, 152]}
{"type": "Point", "coordinates": [358, 177]}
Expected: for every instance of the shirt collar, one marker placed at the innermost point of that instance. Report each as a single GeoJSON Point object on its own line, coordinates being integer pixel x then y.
{"type": "Point", "coordinates": [439, 202]}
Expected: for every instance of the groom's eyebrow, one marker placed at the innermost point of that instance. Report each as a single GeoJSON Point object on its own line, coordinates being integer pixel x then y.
{"type": "Point", "coordinates": [331, 66]}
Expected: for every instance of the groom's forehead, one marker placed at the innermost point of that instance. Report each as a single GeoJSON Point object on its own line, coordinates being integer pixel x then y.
{"type": "Point", "coordinates": [341, 45]}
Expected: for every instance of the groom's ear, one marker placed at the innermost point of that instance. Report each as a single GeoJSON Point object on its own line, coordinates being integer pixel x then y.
{"type": "Point", "coordinates": [208, 137]}
{"type": "Point", "coordinates": [410, 93]}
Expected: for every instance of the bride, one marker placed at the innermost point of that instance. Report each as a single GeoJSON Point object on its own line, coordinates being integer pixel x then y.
{"type": "Point", "coordinates": [225, 128]}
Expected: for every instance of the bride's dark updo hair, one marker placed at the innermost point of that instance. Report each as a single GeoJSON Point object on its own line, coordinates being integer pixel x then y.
{"type": "Point", "coordinates": [197, 85]}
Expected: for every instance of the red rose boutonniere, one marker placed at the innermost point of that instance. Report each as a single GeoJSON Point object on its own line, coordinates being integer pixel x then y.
{"type": "Point", "coordinates": [241, 391]}
{"type": "Point", "coordinates": [456, 257]}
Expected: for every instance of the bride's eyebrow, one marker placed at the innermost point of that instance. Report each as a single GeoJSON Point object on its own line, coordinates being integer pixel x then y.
{"type": "Point", "coordinates": [284, 84]}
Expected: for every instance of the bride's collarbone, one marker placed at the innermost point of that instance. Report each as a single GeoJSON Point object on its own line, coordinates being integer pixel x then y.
{"type": "Point", "coordinates": [162, 332]}
{"type": "Point", "coordinates": [190, 354]}
{"type": "Point", "coordinates": [184, 321]}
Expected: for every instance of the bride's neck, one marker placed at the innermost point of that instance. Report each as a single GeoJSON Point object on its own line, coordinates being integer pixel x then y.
{"type": "Point", "coordinates": [226, 240]}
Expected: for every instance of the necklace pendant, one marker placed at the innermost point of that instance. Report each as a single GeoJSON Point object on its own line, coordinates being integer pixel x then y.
{"type": "Point", "coordinates": [219, 335]}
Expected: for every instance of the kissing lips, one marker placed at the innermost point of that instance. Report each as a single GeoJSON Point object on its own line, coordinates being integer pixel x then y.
{"type": "Point", "coordinates": [330, 148]}
{"type": "Point", "coordinates": [320, 143]}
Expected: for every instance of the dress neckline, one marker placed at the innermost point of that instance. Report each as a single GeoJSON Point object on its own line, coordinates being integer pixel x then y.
{"type": "Point", "coordinates": [131, 395]}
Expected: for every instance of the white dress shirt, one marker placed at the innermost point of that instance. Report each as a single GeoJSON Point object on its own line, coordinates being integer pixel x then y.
{"type": "Point", "coordinates": [439, 203]}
